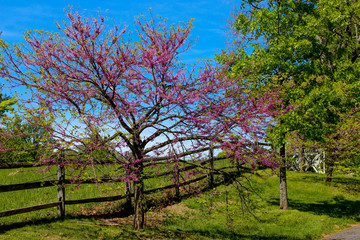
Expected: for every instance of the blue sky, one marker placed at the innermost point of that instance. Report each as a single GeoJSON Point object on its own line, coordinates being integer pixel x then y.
{"type": "Point", "coordinates": [210, 18]}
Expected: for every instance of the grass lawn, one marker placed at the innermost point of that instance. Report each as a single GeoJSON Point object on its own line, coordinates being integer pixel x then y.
{"type": "Point", "coordinates": [316, 209]}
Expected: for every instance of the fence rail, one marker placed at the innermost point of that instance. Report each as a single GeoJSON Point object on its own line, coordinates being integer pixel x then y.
{"type": "Point", "coordinates": [29, 209]}
{"type": "Point", "coordinates": [16, 165]}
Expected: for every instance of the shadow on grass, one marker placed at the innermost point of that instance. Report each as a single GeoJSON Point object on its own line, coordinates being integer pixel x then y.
{"type": "Point", "coordinates": [8, 227]}
{"type": "Point", "coordinates": [79, 229]}
{"type": "Point", "coordinates": [337, 207]}
{"type": "Point", "coordinates": [336, 180]}
{"type": "Point", "coordinates": [221, 234]}
{"type": "Point", "coordinates": [152, 232]}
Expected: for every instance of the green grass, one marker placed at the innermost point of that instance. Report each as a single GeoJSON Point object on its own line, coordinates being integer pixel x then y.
{"type": "Point", "coordinates": [315, 209]}
{"type": "Point", "coordinates": [85, 229]}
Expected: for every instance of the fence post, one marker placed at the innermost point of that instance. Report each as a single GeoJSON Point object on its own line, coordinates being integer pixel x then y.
{"type": "Point", "coordinates": [61, 187]}
{"type": "Point", "coordinates": [211, 174]}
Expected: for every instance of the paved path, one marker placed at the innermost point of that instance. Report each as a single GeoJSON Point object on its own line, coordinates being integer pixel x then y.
{"type": "Point", "coordinates": [349, 234]}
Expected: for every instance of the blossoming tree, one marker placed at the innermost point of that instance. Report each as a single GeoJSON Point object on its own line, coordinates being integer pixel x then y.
{"type": "Point", "coordinates": [134, 100]}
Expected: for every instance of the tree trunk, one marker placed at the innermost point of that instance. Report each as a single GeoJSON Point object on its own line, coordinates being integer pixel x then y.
{"type": "Point", "coordinates": [302, 159]}
{"type": "Point", "coordinates": [329, 168]}
{"type": "Point", "coordinates": [330, 161]}
{"type": "Point", "coordinates": [139, 205]}
{"type": "Point", "coordinates": [284, 204]}
{"type": "Point", "coordinates": [139, 201]}
{"type": "Point", "coordinates": [211, 170]}
{"type": "Point", "coordinates": [61, 188]}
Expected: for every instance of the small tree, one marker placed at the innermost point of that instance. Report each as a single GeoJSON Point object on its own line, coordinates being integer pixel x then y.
{"type": "Point", "coordinates": [133, 99]}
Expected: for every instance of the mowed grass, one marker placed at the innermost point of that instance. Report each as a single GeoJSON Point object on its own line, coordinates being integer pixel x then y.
{"type": "Point", "coordinates": [316, 209]}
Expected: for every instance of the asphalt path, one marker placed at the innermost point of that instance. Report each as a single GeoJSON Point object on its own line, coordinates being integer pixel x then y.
{"type": "Point", "coordinates": [349, 234]}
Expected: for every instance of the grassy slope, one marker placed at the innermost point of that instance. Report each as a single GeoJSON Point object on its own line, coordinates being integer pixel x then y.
{"type": "Point", "coordinates": [316, 209]}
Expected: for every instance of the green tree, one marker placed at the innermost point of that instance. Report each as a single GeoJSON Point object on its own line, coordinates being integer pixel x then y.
{"type": "Point", "coordinates": [23, 141]}
{"type": "Point", "coordinates": [20, 140]}
{"type": "Point", "coordinates": [307, 51]}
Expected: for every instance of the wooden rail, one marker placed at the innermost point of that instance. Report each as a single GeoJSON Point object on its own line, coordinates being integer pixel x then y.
{"type": "Point", "coordinates": [91, 200]}
{"type": "Point", "coordinates": [24, 186]}
{"type": "Point", "coordinates": [29, 209]}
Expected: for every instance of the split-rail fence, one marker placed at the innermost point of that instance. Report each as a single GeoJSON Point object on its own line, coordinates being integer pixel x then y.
{"type": "Point", "coordinates": [61, 183]}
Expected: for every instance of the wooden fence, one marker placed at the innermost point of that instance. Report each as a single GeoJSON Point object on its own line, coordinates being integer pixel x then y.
{"type": "Point", "coordinates": [61, 182]}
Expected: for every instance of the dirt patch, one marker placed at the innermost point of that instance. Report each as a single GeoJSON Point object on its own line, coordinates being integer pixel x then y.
{"type": "Point", "coordinates": [224, 204]}
{"type": "Point", "coordinates": [52, 237]}
{"type": "Point", "coordinates": [118, 221]}
{"type": "Point", "coordinates": [179, 209]}
{"type": "Point", "coordinates": [14, 173]}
